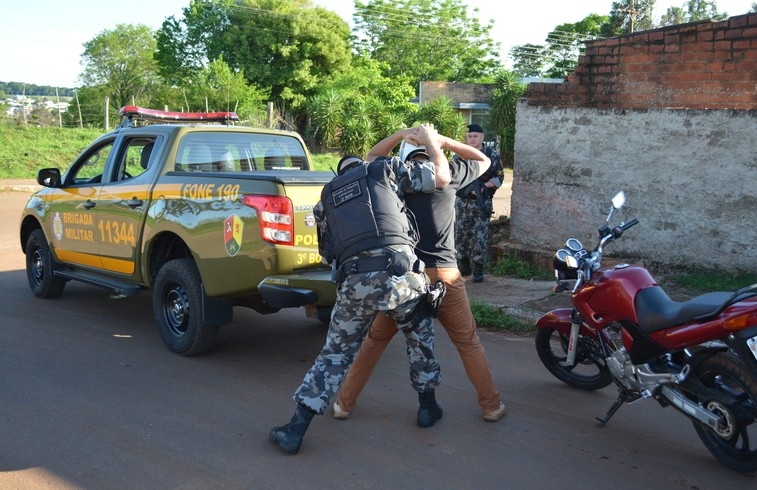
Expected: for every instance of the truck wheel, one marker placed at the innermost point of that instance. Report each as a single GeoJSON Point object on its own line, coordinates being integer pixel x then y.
{"type": "Point", "coordinates": [177, 306]}
{"type": "Point", "coordinates": [39, 267]}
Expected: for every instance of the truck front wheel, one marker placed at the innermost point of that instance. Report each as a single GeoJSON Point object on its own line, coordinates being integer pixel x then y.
{"type": "Point", "coordinates": [39, 267]}
{"type": "Point", "coordinates": [177, 306]}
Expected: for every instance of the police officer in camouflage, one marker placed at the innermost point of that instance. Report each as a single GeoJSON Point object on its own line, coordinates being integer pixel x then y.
{"type": "Point", "coordinates": [368, 235]}
{"type": "Point", "coordinates": [474, 208]}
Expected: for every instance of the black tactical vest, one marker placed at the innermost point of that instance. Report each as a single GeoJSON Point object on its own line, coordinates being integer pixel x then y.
{"type": "Point", "coordinates": [363, 211]}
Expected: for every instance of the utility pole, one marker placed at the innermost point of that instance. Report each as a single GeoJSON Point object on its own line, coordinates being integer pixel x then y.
{"type": "Point", "coordinates": [632, 13]}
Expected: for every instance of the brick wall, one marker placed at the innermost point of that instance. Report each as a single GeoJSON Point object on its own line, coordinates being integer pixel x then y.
{"type": "Point", "coordinates": [698, 65]}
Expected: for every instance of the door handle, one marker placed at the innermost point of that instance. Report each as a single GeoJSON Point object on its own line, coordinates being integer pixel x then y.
{"type": "Point", "coordinates": [89, 204]}
{"type": "Point", "coordinates": [134, 202]}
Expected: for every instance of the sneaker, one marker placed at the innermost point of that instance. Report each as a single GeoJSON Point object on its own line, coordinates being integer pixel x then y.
{"type": "Point", "coordinates": [339, 413]}
{"type": "Point", "coordinates": [496, 414]}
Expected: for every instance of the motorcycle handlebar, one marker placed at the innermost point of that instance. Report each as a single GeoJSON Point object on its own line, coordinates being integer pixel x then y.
{"type": "Point", "coordinates": [618, 230]}
{"type": "Point", "coordinates": [631, 223]}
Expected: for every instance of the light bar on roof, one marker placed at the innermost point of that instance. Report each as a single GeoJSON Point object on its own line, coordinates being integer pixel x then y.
{"type": "Point", "coordinates": [134, 112]}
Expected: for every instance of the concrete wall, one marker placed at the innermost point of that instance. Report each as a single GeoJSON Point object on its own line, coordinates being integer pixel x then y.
{"type": "Point", "coordinates": [690, 174]}
{"type": "Point", "coordinates": [690, 178]}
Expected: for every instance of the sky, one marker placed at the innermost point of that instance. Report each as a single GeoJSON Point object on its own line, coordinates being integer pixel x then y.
{"type": "Point", "coordinates": [41, 41]}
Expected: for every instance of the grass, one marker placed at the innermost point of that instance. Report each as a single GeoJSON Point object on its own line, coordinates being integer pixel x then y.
{"type": "Point", "coordinates": [491, 317]}
{"type": "Point", "coordinates": [512, 266]}
{"type": "Point", "coordinates": [24, 150]}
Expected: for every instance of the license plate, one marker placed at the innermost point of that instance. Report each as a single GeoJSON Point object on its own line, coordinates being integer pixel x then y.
{"type": "Point", "coordinates": [752, 343]}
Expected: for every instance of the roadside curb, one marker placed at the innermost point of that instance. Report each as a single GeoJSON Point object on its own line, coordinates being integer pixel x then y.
{"type": "Point", "coordinates": [19, 185]}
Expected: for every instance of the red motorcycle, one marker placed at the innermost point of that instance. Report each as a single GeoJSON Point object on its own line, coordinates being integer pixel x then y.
{"type": "Point", "coordinates": [698, 356]}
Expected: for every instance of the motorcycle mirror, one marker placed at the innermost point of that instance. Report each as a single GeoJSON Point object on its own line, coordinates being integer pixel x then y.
{"type": "Point", "coordinates": [619, 200]}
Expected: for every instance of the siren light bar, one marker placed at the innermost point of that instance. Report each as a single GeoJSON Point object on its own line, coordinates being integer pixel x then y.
{"type": "Point", "coordinates": [133, 112]}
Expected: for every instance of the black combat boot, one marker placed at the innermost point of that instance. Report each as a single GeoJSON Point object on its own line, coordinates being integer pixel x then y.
{"type": "Point", "coordinates": [429, 411]}
{"type": "Point", "coordinates": [289, 437]}
{"type": "Point", "coordinates": [464, 266]}
{"type": "Point", "coordinates": [478, 272]}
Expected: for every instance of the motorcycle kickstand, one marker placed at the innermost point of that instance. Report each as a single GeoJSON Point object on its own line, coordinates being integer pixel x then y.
{"type": "Point", "coordinates": [623, 397]}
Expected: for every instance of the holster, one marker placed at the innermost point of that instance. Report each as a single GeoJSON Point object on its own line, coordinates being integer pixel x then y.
{"type": "Point", "coordinates": [434, 296]}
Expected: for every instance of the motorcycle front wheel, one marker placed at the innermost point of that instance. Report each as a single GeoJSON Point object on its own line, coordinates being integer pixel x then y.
{"type": "Point", "coordinates": [732, 396]}
{"type": "Point", "coordinates": [589, 372]}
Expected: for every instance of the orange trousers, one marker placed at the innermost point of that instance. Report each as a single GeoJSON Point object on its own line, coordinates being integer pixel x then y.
{"type": "Point", "coordinates": [457, 319]}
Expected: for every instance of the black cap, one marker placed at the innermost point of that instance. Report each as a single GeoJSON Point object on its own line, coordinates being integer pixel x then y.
{"type": "Point", "coordinates": [475, 128]}
{"type": "Point", "coordinates": [416, 153]}
{"type": "Point", "coordinates": [347, 163]}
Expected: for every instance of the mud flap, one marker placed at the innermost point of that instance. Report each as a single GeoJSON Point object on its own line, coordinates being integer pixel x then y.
{"type": "Point", "coordinates": [216, 311]}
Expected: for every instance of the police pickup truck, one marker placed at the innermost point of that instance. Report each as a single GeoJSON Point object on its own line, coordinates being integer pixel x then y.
{"type": "Point", "coordinates": [206, 213]}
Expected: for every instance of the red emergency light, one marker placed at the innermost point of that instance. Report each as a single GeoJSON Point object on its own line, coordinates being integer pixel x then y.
{"type": "Point", "coordinates": [132, 112]}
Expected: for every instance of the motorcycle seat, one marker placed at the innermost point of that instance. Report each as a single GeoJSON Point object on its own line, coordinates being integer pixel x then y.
{"type": "Point", "coordinates": [656, 311]}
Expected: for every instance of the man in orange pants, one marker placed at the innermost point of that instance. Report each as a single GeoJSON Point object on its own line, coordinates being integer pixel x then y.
{"type": "Point", "coordinates": [435, 214]}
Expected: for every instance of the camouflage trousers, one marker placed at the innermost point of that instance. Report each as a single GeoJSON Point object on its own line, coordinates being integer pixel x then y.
{"type": "Point", "coordinates": [472, 229]}
{"type": "Point", "coordinates": [358, 300]}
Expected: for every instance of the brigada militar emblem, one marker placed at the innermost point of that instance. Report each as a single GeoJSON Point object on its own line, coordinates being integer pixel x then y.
{"type": "Point", "coordinates": [232, 234]}
{"type": "Point", "coordinates": [58, 226]}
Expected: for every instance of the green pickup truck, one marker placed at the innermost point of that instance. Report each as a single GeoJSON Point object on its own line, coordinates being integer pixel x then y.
{"type": "Point", "coordinates": [206, 213]}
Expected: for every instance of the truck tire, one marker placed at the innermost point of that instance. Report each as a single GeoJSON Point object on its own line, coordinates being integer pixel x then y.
{"type": "Point", "coordinates": [177, 306]}
{"type": "Point", "coordinates": [39, 267]}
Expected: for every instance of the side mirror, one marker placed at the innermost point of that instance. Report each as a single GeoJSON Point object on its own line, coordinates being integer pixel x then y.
{"type": "Point", "coordinates": [49, 177]}
{"type": "Point", "coordinates": [619, 200]}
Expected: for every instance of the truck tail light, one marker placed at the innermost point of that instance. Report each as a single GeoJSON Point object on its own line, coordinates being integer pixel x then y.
{"type": "Point", "coordinates": [276, 217]}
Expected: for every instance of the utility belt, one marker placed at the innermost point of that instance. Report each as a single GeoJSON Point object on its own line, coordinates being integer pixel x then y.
{"type": "Point", "coordinates": [395, 263]}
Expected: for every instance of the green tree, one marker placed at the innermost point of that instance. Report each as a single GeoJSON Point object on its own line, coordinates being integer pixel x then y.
{"type": "Point", "coordinates": [362, 86]}
{"type": "Point", "coordinates": [217, 88]}
{"type": "Point", "coordinates": [505, 97]}
{"type": "Point", "coordinates": [558, 57]}
{"type": "Point", "coordinates": [692, 11]}
{"type": "Point", "coordinates": [566, 43]}
{"type": "Point", "coordinates": [426, 40]}
{"type": "Point", "coordinates": [529, 60]}
{"type": "Point", "coordinates": [441, 113]}
{"type": "Point", "coordinates": [119, 63]}
{"type": "Point", "coordinates": [284, 47]}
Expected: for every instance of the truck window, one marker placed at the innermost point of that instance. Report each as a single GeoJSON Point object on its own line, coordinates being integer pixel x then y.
{"type": "Point", "coordinates": [89, 169]}
{"type": "Point", "coordinates": [239, 152]}
{"type": "Point", "coordinates": [136, 158]}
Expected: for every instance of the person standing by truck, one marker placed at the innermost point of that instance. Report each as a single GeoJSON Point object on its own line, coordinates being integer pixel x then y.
{"type": "Point", "coordinates": [435, 213]}
{"type": "Point", "coordinates": [365, 230]}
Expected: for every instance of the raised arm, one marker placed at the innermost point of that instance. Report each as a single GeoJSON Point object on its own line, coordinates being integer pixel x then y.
{"type": "Point", "coordinates": [384, 147]}
{"type": "Point", "coordinates": [467, 152]}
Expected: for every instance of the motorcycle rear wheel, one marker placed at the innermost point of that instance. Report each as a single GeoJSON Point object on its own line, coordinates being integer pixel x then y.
{"type": "Point", "coordinates": [589, 372]}
{"type": "Point", "coordinates": [734, 444]}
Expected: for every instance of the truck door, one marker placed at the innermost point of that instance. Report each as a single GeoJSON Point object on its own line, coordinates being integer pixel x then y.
{"type": "Point", "coordinates": [123, 204]}
{"type": "Point", "coordinates": [73, 208]}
